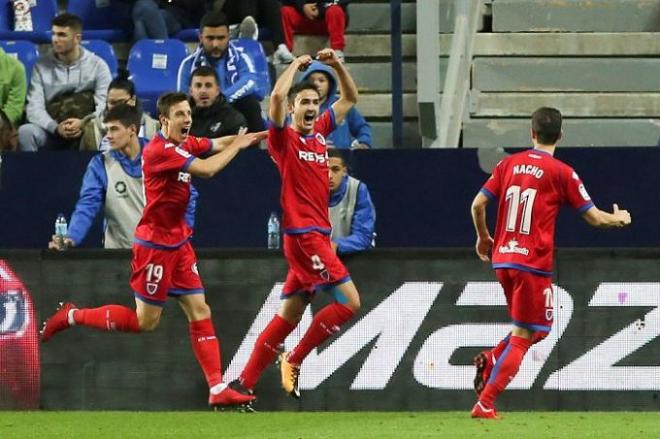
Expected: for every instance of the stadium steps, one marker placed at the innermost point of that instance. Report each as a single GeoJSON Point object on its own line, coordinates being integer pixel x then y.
{"type": "Point", "coordinates": [490, 133]}
{"type": "Point", "coordinates": [576, 16]}
{"type": "Point", "coordinates": [570, 104]}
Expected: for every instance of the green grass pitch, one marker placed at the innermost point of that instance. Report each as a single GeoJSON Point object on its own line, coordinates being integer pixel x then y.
{"type": "Point", "coordinates": [351, 425]}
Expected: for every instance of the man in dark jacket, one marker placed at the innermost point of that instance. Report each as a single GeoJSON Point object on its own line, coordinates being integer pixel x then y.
{"type": "Point", "coordinates": [160, 19]}
{"type": "Point", "coordinates": [212, 115]}
{"type": "Point", "coordinates": [316, 18]}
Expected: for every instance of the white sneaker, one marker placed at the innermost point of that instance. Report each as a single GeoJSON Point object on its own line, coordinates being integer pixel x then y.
{"type": "Point", "coordinates": [340, 55]}
{"type": "Point", "coordinates": [282, 55]}
{"type": "Point", "coordinates": [248, 28]}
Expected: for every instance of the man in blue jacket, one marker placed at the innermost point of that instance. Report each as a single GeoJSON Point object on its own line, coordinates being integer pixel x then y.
{"type": "Point", "coordinates": [352, 213]}
{"type": "Point", "coordinates": [113, 180]}
{"type": "Point", "coordinates": [241, 82]}
{"type": "Point", "coordinates": [354, 132]}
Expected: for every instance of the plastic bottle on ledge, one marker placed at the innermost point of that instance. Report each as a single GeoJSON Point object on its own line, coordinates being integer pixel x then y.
{"type": "Point", "coordinates": [61, 228]}
{"type": "Point", "coordinates": [273, 232]}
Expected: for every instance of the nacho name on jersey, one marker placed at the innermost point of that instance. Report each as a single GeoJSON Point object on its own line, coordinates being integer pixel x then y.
{"type": "Point", "coordinates": [528, 170]}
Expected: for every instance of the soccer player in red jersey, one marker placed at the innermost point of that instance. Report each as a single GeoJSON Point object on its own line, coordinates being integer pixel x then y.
{"type": "Point", "coordinates": [164, 263]}
{"type": "Point", "coordinates": [531, 186]}
{"type": "Point", "coordinates": [297, 146]}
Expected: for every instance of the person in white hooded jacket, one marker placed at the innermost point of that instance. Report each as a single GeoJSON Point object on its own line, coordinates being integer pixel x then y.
{"type": "Point", "coordinates": [66, 83]}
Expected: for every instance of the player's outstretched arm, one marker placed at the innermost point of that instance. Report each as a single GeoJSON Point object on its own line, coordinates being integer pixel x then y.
{"type": "Point", "coordinates": [207, 168]}
{"type": "Point", "coordinates": [220, 143]}
{"type": "Point", "coordinates": [604, 220]}
{"type": "Point", "coordinates": [278, 97]}
{"type": "Point", "coordinates": [484, 242]}
{"type": "Point", "coordinates": [349, 91]}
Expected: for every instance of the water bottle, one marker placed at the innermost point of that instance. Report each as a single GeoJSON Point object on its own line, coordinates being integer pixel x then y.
{"type": "Point", "coordinates": [61, 227]}
{"type": "Point", "coordinates": [273, 231]}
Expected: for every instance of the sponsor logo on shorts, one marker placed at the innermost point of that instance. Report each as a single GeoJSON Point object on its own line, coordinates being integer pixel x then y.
{"type": "Point", "coordinates": [512, 247]}
{"type": "Point", "coordinates": [194, 268]}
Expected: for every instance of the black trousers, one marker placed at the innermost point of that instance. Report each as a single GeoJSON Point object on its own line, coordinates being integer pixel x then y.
{"type": "Point", "coordinates": [250, 107]}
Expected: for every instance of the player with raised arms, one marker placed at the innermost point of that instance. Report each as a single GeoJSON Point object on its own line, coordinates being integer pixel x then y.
{"type": "Point", "coordinates": [296, 143]}
{"type": "Point", "coordinates": [531, 186]}
{"type": "Point", "coordinates": [164, 262]}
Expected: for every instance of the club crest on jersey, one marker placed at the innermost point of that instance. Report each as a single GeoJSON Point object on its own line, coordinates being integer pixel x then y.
{"type": "Point", "coordinates": [320, 138]}
{"type": "Point", "coordinates": [151, 288]}
{"type": "Point", "coordinates": [512, 247]}
{"type": "Point", "coordinates": [310, 156]}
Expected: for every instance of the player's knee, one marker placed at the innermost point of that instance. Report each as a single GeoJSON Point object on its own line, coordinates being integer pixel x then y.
{"type": "Point", "coordinates": [539, 336]}
{"type": "Point", "coordinates": [354, 305]}
{"type": "Point", "coordinates": [200, 311]}
{"type": "Point", "coordinates": [148, 324]}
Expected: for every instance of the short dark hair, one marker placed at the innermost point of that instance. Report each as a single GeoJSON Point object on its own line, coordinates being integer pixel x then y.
{"type": "Point", "coordinates": [122, 82]}
{"type": "Point", "coordinates": [546, 123]}
{"type": "Point", "coordinates": [335, 153]}
{"type": "Point", "coordinates": [213, 19]}
{"type": "Point", "coordinates": [168, 100]}
{"type": "Point", "coordinates": [205, 71]}
{"type": "Point", "coordinates": [299, 87]}
{"type": "Point", "coordinates": [68, 20]}
{"type": "Point", "coordinates": [125, 114]}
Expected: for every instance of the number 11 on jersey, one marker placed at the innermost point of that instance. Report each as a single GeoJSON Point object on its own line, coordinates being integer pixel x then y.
{"type": "Point", "coordinates": [515, 198]}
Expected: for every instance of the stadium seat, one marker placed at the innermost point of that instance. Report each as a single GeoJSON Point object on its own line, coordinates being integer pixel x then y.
{"type": "Point", "coordinates": [153, 65]}
{"type": "Point", "coordinates": [42, 15]}
{"type": "Point", "coordinates": [105, 51]}
{"type": "Point", "coordinates": [26, 52]}
{"type": "Point", "coordinates": [187, 35]}
{"type": "Point", "coordinates": [111, 21]}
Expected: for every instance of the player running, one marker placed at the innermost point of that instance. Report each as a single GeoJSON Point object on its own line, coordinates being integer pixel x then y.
{"type": "Point", "coordinates": [164, 262]}
{"type": "Point", "coordinates": [298, 147]}
{"type": "Point", "coordinates": [531, 187]}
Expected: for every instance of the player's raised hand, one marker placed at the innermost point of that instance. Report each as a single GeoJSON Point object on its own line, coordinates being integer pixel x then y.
{"type": "Point", "coordinates": [483, 248]}
{"type": "Point", "coordinates": [622, 215]}
{"type": "Point", "coordinates": [303, 61]}
{"type": "Point", "coordinates": [328, 57]}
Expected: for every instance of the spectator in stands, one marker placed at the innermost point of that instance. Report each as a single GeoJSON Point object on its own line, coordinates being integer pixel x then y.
{"type": "Point", "coordinates": [67, 85]}
{"type": "Point", "coordinates": [120, 91]}
{"type": "Point", "coordinates": [160, 19]}
{"type": "Point", "coordinates": [236, 70]}
{"type": "Point", "coordinates": [211, 113]}
{"type": "Point", "coordinates": [266, 12]}
{"type": "Point", "coordinates": [12, 87]}
{"type": "Point", "coordinates": [113, 181]}
{"type": "Point", "coordinates": [8, 134]}
{"type": "Point", "coordinates": [352, 214]}
{"type": "Point", "coordinates": [354, 132]}
{"type": "Point", "coordinates": [317, 18]}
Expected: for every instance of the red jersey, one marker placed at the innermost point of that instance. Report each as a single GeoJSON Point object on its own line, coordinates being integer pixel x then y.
{"type": "Point", "coordinates": [303, 165]}
{"type": "Point", "coordinates": [167, 190]}
{"type": "Point", "coordinates": [531, 186]}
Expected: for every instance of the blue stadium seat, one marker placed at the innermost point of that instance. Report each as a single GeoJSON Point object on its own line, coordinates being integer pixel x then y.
{"type": "Point", "coordinates": [110, 22]}
{"type": "Point", "coordinates": [104, 50]}
{"type": "Point", "coordinates": [26, 52]}
{"type": "Point", "coordinates": [187, 35]}
{"type": "Point", "coordinates": [154, 65]}
{"type": "Point", "coordinates": [42, 15]}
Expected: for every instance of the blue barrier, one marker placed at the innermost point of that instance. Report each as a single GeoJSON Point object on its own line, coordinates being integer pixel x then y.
{"type": "Point", "coordinates": [422, 197]}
